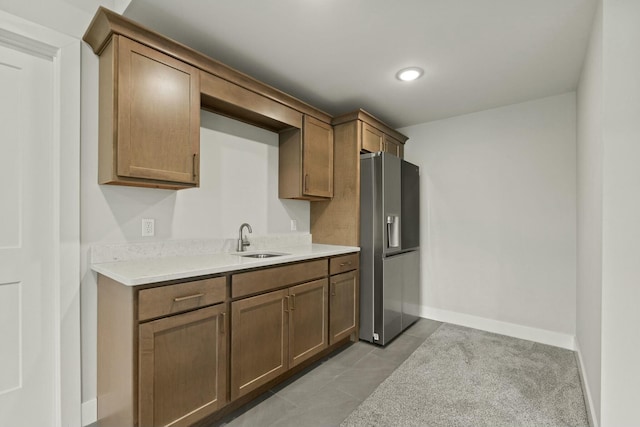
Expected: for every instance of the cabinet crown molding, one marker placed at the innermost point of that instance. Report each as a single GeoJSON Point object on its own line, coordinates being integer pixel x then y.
{"type": "Point", "coordinates": [106, 23]}
{"type": "Point", "coordinates": [370, 119]}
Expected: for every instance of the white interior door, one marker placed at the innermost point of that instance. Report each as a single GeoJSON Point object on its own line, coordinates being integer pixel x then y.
{"type": "Point", "coordinates": [27, 294]}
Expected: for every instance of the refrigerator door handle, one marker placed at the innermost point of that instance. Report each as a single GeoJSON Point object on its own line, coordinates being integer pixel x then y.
{"type": "Point", "coordinates": [393, 231]}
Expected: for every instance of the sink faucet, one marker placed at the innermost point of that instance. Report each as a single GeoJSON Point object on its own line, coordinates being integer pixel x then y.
{"type": "Point", "coordinates": [242, 241]}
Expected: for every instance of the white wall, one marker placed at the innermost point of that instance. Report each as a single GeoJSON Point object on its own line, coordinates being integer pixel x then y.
{"type": "Point", "coordinates": [621, 214]}
{"type": "Point", "coordinates": [499, 217]}
{"type": "Point", "coordinates": [70, 17]}
{"type": "Point", "coordinates": [239, 183]}
{"type": "Point", "coordinates": [589, 267]}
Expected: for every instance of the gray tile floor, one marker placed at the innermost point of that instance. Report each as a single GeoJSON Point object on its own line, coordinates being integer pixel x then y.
{"type": "Point", "coordinates": [327, 392]}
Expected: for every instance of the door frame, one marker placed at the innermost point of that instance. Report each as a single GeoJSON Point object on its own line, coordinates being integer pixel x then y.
{"type": "Point", "coordinates": [64, 52]}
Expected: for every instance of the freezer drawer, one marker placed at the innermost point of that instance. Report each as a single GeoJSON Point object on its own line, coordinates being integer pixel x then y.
{"type": "Point", "coordinates": [388, 321]}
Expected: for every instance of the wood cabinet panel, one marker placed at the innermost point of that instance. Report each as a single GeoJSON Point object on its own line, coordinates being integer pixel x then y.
{"type": "Point", "coordinates": [259, 341]}
{"type": "Point", "coordinates": [393, 146]}
{"type": "Point", "coordinates": [182, 367]}
{"type": "Point", "coordinates": [309, 310]}
{"type": "Point", "coordinates": [149, 117]}
{"type": "Point", "coordinates": [343, 305]}
{"type": "Point", "coordinates": [371, 138]}
{"type": "Point", "coordinates": [171, 299]}
{"type": "Point", "coordinates": [344, 263]}
{"type": "Point", "coordinates": [306, 161]}
{"type": "Point", "coordinates": [317, 158]}
{"type": "Point", "coordinates": [117, 350]}
{"type": "Point", "coordinates": [221, 96]}
{"type": "Point", "coordinates": [158, 115]}
{"type": "Point", "coordinates": [243, 284]}
{"type": "Point", "coordinates": [337, 221]}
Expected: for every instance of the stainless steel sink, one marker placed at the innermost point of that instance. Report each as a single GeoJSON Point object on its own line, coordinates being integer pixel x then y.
{"type": "Point", "coordinates": [261, 255]}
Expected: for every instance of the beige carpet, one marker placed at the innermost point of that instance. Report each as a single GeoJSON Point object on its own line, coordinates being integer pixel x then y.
{"type": "Point", "coordinates": [466, 377]}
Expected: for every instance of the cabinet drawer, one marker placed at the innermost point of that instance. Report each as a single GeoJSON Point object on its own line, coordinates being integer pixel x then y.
{"type": "Point", "coordinates": [164, 300]}
{"type": "Point", "coordinates": [271, 278]}
{"type": "Point", "coordinates": [344, 263]}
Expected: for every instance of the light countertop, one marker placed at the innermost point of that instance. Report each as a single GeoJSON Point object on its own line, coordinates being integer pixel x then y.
{"type": "Point", "coordinates": [151, 270]}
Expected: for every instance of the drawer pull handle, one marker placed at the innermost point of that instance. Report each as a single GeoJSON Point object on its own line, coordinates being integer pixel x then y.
{"type": "Point", "coordinates": [286, 307]}
{"type": "Point", "coordinates": [223, 319]}
{"type": "Point", "coordinates": [333, 289]}
{"type": "Point", "coordinates": [345, 263]}
{"type": "Point", "coordinates": [293, 302]}
{"type": "Point", "coordinates": [178, 299]}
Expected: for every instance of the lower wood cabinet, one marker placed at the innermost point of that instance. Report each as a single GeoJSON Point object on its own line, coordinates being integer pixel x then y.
{"type": "Point", "coordinates": [162, 352]}
{"type": "Point", "coordinates": [344, 299]}
{"type": "Point", "coordinates": [175, 353]}
{"type": "Point", "coordinates": [308, 313]}
{"type": "Point", "coordinates": [273, 332]}
{"type": "Point", "coordinates": [344, 314]}
{"type": "Point", "coordinates": [259, 340]}
{"type": "Point", "coordinates": [182, 367]}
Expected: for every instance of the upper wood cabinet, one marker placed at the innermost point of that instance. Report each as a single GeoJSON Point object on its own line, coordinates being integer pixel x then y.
{"type": "Point", "coordinates": [306, 161]}
{"type": "Point", "coordinates": [372, 138]}
{"type": "Point", "coordinates": [151, 91]}
{"type": "Point", "coordinates": [393, 146]}
{"type": "Point", "coordinates": [149, 117]}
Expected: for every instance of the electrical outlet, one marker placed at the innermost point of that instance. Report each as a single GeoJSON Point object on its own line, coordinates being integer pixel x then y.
{"type": "Point", "coordinates": [148, 227]}
{"type": "Point", "coordinates": [294, 224]}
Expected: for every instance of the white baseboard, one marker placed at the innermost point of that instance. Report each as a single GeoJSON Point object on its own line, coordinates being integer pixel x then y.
{"type": "Point", "coordinates": [593, 422]}
{"type": "Point", "coordinates": [542, 336]}
{"type": "Point", "coordinates": [89, 412]}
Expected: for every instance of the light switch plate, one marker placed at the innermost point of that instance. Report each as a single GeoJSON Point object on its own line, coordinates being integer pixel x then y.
{"type": "Point", "coordinates": [294, 224]}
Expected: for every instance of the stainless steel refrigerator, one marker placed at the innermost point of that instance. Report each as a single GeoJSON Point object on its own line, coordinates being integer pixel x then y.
{"type": "Point", "coordinates": [390, 246]}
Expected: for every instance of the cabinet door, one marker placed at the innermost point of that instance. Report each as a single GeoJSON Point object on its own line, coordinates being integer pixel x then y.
{"type": "Point", "coordinates": [371, 139]}
{"type": "Point", "coordinates": [392, 146]}
{"type": "Point", "coordinates": [343, 305]}
{"type": "Point", "coordinates": [309, 308]}
{"type": "Point", "coordinates": [182, 367]}
{"type": "Point", "coordinates": [259, 341]}
{"type": "Point", "coordinates": [317, 158]}
{"type": "Point", "coordinates": [158, 115]}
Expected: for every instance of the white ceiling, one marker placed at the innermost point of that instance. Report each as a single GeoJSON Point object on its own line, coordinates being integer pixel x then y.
{"type": "Point", "coordinates": [340, 55]}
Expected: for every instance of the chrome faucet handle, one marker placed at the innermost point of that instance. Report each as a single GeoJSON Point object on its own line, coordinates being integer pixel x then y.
{"type": "Point", "coordinates": [242, 240]}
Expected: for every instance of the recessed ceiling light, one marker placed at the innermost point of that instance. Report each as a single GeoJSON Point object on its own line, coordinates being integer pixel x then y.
{"type": "Point", "coordinates": [409, 74]}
